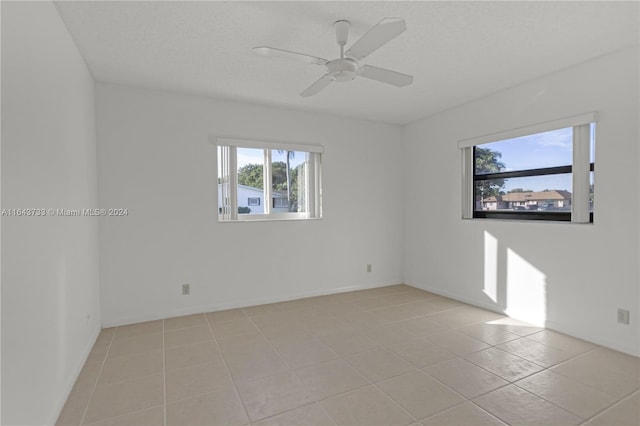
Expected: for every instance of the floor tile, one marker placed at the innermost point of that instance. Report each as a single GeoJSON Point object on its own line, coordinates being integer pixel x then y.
{"type": "Point", "coordinates": [349, 342]}
{"type": "Point", "coordinates": [421, 308]}
{"type": "Point", "coordinates": [267, 396]}
{"type": "Point", "coordinates": [421, 352]}
{"type": "Point", "coordinates": [379, 364]}
{"type": "Point", "coordinates": [561, 341]}
{"type": "Point", "coordinates": [254, 365]}
{"type": "Point", "coordinates": [420, 394]}
{"type": "Point", "coordinates": [308, 415]}
{"type": "Point", "coordinates": [125, 397]}
{"type": "Point", "coordinates": [91, 369]}
{"type": "Point", "coordinates": [194, 354]}
{"type": "Point", "coordinates": [139, 328]}
{"type": "Point", "coordinates": [609, 371]}
{"type": "Point", "coordinates": [360, 319]}
{"type": "Point", "coordinates": [75, 406]}
{"type": "Point", "coordinates": [514, 326]}
{"type": "Point", "coordinates": [543, 355]}
{"type": "Point", "coordinates": [250, 311]}
{"type": "Point", "coordinates": [371, 303]}
{"type": "Point", "coordinates": [488, 334]}
{"type": "Point", "coordinates": [367, 407]}
{"type": "Point", "coordinates": [176, 323]}
{"type": "Point", "coordinates": [149, 417]}
{"type": "Point", "coordinates": [135, 344]}
{"type": "Point", "coordinates": [218, 408]}
{"type": "Point", "coordinates": [457, 343]}
{"type": "Point", "coordinates": [465, 414]}
{"type": "Point", "coordinates": [441, 303]}
{"type": "Point", "coordinates": [624, 413]}
{"type": "Point", "coordinates": [566, 393]}
{"type": "Point", "coordinates": [503, 364]}
{"type": "Point", "coordinates": [465, 378]}
{"type": "Point", "coordinates": [400, 298]}
{"type": "Point", "coordinates": [128, 367]}
{"type": "Point", "coordinates": [421, 326]}
{"type": "Point", "coordinates": [464, 316]}
{"type": "Point", "coordinates": [388, 334]}
{"type": "Point", "coordinates": [103, 341]}
{"type": "Point", "coordinates": [393, 313]}
{"type": "Point", "coordinates": [519, 407]}
{"type": "Point", "coordinates": [224, 330]}
{"type": "Point", "coordinates": [331, 378]}
{"type": "Point", "coordinates": [244, 344]}
{"type": "Point", "coordinates": [187, 336]}
{"type": "Point", "coordinates": [305, 352]}
{"type": "Point", "coordinates": [225, 316]}
{"type": "Point", "coordinates": [196, 380]}
{"type": "Point", "coordinates": [288, 334]}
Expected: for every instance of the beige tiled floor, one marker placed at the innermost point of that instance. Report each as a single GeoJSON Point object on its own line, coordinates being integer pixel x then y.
{"type": "Point", "coordinates": [388, 356]}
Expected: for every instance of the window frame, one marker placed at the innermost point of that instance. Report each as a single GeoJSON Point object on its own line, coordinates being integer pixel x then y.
{"type": "Point", "coordinates": [580, 169]}
{"type": "Point", "coordinates": [227, 175]}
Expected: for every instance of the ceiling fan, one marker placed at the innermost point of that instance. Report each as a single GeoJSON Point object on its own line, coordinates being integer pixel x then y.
{"type": "Point", "coordinates": [347, 67]}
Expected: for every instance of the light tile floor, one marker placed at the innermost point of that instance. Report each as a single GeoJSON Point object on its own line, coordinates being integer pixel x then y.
{"type": "Point", "coordinates": [387, 356]}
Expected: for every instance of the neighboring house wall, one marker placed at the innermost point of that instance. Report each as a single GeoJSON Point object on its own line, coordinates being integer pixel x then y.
{"type": "Point", "coordinates": [256, 194]}
{"type": "Point", "coordinates": [529, 200]}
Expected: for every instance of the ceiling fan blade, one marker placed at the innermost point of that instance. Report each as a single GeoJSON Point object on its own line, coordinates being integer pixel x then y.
{"type": "Point", "coordinates": [386, 76]}
{"type": "Point", "coordinates": [383, 32]}
{"type": "Point", "coordinates": [317, 86]}
{"type": "Point", "coordinates": [280, 53]}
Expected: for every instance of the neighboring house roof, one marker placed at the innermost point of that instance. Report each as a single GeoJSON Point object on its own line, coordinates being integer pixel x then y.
{"type": "Point", "coordinates": [260, 192]}
{"type": "Point", "coordinates": [530, 196]}
{"type": "Point", "coordinates": [251, 188]}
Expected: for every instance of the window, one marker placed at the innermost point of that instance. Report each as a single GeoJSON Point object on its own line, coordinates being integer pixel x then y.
{"type": "Point", "coordinates": [251, 171]}
{"type": "Point", "coordinates": [542, 172]}
{"type": "Point", "coordinates": [280, 203]}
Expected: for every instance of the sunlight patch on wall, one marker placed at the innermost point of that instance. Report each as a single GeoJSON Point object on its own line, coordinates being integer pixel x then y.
{"type": "Point", "coordinates": [490, 266]}
{"type": "Point", "coordinates": [526, 290]}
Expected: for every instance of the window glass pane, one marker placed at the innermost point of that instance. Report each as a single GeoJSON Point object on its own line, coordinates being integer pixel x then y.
{"type": "Point", "coordinates": [220, 179]}
{"type": "Point", "coordinates": [592, 142]}
{"type": "Point", "coordinates": [540, 150]}
{"type": "Point", "coordinates": [539, 193]}
{"type": "Point", "coordinates": [250, 163]}
{"type": "Point", "coordinates": [288, 181]}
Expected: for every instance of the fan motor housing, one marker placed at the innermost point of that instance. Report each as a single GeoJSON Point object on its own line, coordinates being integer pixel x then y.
{"type": "Point", "coordinates": [344, 69]}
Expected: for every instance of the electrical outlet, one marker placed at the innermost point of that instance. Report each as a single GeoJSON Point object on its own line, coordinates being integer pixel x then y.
{"type": "Point", "coordinates": [368, 267]}
{"type": "Point", "coordinates": [623, 316]}
{"type": "Point", "coordinates": [186, 289]}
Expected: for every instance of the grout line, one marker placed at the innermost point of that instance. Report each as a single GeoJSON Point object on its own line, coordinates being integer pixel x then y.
{"type": "Point", "coordinates": [324, 410]}
{"type": "Point", "coordinates": [95, 385]}
{"type": "Point", "coordinates": [612, 405]}
{"type": "Point", "coordinates": [164, 377]}
{"type": "Point", "coordinates": [224, 361]}
{"type": "Point", "coordinates": [271, 345]}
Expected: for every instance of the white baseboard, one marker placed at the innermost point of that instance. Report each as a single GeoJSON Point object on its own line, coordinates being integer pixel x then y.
{"type": "Point", "coordinates": [73, 377]}
{"type": "Point", "coordinates": [239, 304]}
{"type": "Point", "coordinates": [552, 325]}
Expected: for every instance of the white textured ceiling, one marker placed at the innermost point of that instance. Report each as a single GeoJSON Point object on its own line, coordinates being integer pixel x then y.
{"type": "Point", "coordinates": [457, 51]}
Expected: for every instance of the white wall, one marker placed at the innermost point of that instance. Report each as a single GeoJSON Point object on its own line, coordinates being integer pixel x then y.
{"type": "Point", "coordinates": [49, 264]}
{"type": "Point", "coordinates": [571, 277]}
{"type": "Point", "coordinates": [156, 159]}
